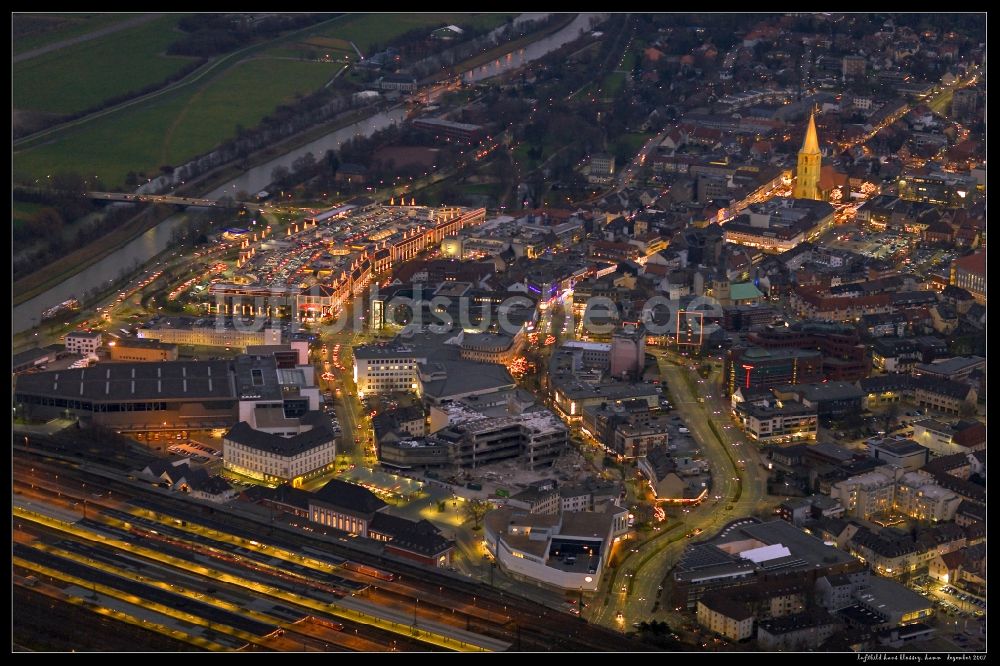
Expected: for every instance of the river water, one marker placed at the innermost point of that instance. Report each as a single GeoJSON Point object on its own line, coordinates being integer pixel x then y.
{"type": "Point", "coordinates": [156, 240]}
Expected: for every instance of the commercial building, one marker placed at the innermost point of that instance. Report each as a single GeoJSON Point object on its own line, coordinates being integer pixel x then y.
{"type": "Point", "coordinates": [900, 452]}
{"type": "Point", "coordinates": [134, 396]}
{"type": "Point", "coordinates": [83, 342]}
{"type": "Point", "coordinates": [776, 421]}
{"type": "Point", "coordinates": [492, 347]}
{"type": "Point", "coordinates": [755, 367]}
{"type": "Point", "coordinates": [942, 188]}
{"type": "Point", "coordinates": [845, 356]}
{"type": "Point", "coordinates": [135, 349]}
{"type": "Point", "coordinates": [896, 603]}
{"type": "Point", "coordinates": [34, 359]}
{"type": "Point", "coordinates": [386, 367]}
{"type": "Point", "coordinates": [566, 551]}
{"type": "Point", "coordinates": [831, 400]}
{"type": "Point", "coordinates": [945, 439]}
{"type": "Point", "coordinates": [354, 509]}
{"type": "Point", "coordinates": [780, 224]}
{"type": "Point", "coordinates": [281, 459]}
{"type": "Point", "coordinates": [629, 428]}
{"type": "Point", "coordinates": [628, 352]}
{"type": "Point", "coordinates": [747, 551]}
{"type": "Point", "coordinates": [955, 369]}
{"type": "Point", "coordinates": [209, 332]}
{"type": "Point", "coordinates": [450, 130]}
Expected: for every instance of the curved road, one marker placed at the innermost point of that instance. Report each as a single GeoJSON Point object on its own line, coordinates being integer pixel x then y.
{"type": "Point", "coordinates": [642, 572]}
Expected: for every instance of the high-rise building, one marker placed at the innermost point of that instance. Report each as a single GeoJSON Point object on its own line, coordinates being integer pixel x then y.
{"type": "Point", "coordinates": [807, 172]}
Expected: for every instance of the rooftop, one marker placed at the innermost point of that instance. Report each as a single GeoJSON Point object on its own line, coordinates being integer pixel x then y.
{"type": "Point", "coordinates": [243, 433]}
{"type": "Point", "coordinates": [105, 382]}
{"type": "Point", "coordinates": [349, 496]}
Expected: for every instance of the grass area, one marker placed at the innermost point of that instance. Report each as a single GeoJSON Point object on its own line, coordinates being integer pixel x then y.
{"type": "Point", "coordinates": [81, 76]}
{"type": "Point", "coordinates": [22, 211]}
{"type": "Point", "coordinates": [368, 29]}
{"type": "Point", "coordinates": [490, 189]}
{"type": "Point", "coordinates": [633, 141]}
{"type": "Point", "coordinates": [613, 83]}
{"type": "Point", "coordinates": [628, 61]}
{"type": "Point", "coordinates": [32, 31]}
{"type": "Point", "coordinates": [178, 126]}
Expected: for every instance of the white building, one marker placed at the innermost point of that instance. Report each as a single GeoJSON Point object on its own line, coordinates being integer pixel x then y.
{"type": "Point", "coordinates": [82, 342]}
{"type": "Point", "coordinates": [275, 459]}
{"type": "Point", "coordinates": [893, 489]}
{"type": "Point", "coordinates": [208, 334]}
{"type": "Point", "coordinates": [566, 551]}
{"type": "Point", "coordinates": [386, 368]}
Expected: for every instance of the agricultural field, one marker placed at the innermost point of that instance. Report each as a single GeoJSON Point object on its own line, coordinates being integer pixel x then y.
{"type": "Point", "coordinates": [368, 29]}
{"type": "Point", "coordinates": [177, 126]}
{"type": "Point", "coordinates": [32, 31]}
{"type": "Point", "coordinates": [172, 128]}
{"type": "Point", "coordinates": [83, 75]}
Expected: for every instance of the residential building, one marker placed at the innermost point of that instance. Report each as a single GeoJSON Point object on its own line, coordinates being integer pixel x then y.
{"type": "Point", "coordinates": [721, 615]}
{"type": "Point", "coordinates": [84, 343]}
{"type": "Point", "coordinates": [802, 631]}
{"type": "Point", "coordinates": [886, 490]}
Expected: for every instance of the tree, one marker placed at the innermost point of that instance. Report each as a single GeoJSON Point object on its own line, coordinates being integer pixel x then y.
{"type": "Point", "coordinates": [476, 509]}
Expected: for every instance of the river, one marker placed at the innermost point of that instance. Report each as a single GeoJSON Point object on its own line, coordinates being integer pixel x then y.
{"type": "Point", "coordinates": [156, 240]}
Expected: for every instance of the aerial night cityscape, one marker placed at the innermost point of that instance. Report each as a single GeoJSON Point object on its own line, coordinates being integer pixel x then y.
{"type": "Point", "coordinates": [486, 332]}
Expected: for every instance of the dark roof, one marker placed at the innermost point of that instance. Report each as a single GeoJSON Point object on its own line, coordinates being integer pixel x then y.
{"type": "Point", "coordinates": [116, 382]}
{"type": "Point", "coordinates": [720, 603]}
{"type": "Point", "coordinates": [30, 356]}
{"type": "Point", "coordinates": [419, 537]}
{"type": "Point", "coordinates": [283, 494]}
{"type": "Point", "coordinates": [243, 433]}
{"type": "Point", "coordinates": [797, 622]}
{"type": "Point", "coordinates": [349, 496]}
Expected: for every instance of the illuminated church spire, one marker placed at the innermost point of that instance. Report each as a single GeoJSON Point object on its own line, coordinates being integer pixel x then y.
{"type": "Point", "coordinates": [810, 157]}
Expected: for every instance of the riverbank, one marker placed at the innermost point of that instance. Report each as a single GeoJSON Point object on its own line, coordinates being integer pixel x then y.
{"type": "Point", "coordinates": [509, 47]}
{"type": "Point", "coordinates": [64, 269]}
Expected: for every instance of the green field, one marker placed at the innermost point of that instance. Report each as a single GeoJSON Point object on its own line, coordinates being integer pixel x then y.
{"type": "Point", "coordinates": [81, 76]}
{"type": "Point", "coordinates": [177, 126]}
{"type": "Point", "coordinates": [613, 83]}
{"type": "Point", "coordinates": [634, 141]}
{"type": "Point", "coordinates": [367, 29]}
{"type": "Point", "coordinates": [32, 31]}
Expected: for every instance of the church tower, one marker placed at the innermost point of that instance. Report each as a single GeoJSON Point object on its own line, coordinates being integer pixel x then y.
{"type": "Point", "coordinates": [807, 172]}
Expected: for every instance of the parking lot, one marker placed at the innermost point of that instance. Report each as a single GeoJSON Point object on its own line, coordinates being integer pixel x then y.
{"type": "Point", "coordinates": [197, 452]}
